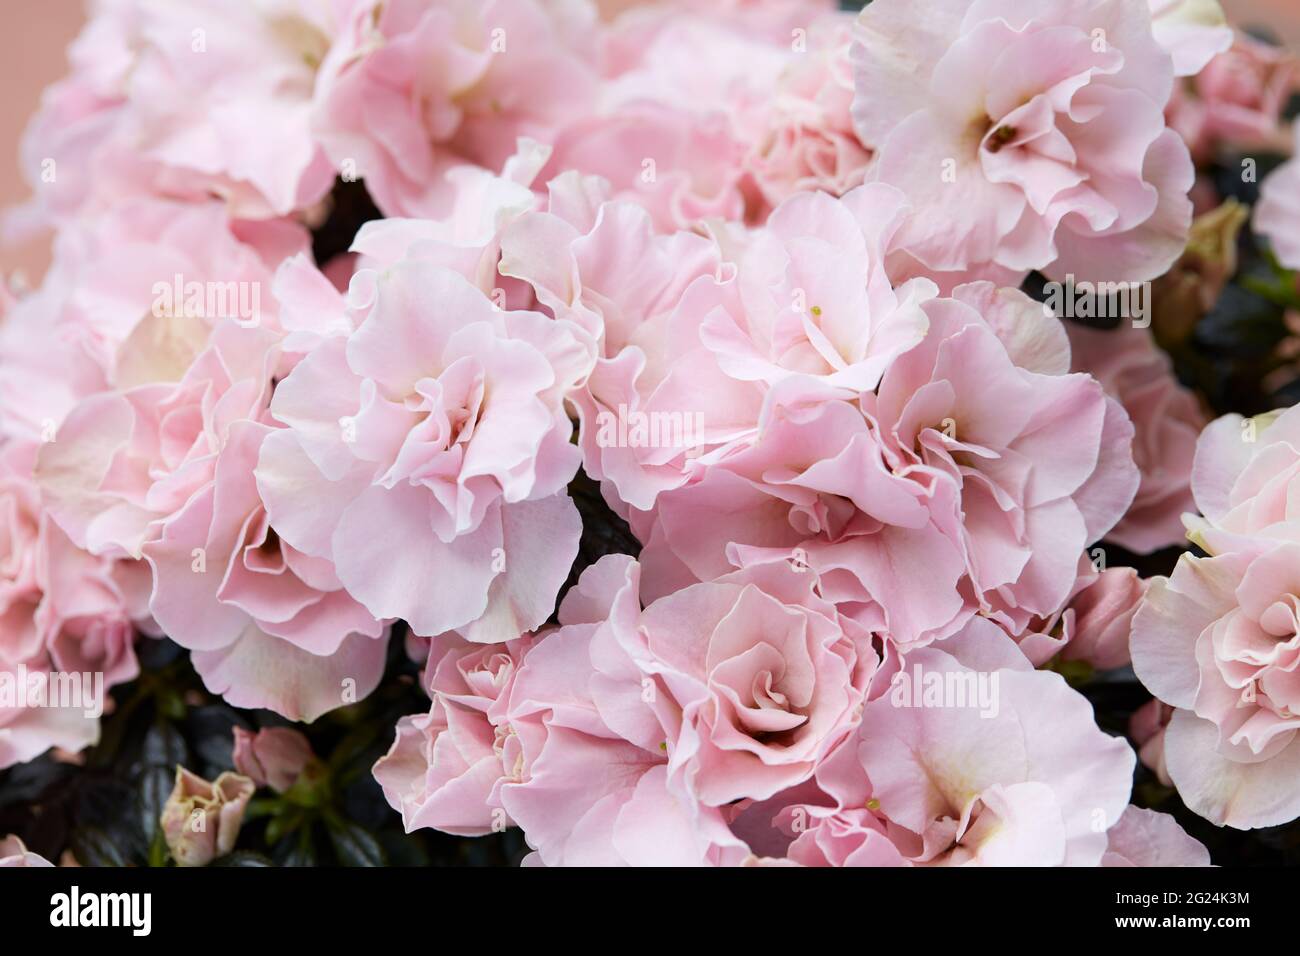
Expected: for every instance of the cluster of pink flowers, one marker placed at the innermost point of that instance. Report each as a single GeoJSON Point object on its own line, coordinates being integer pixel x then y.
{"type": "Point", "coordinates": [753, 266]}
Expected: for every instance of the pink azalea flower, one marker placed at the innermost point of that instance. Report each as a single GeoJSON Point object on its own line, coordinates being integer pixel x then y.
{"type": "Point", "coordinates": [1030, 782]}
{"type": "Point", "coordinates": [517, 734]}
{"type": "Point", "coordinates": [622, 736]}
{"type": "Point", "coordinates": [1237, 100]}
{"type": "Point", "coordinates": [62, 612]}
{"type": "Point", "coordinates": [1241, 479]}
{"type": "Point", "coordinates": [1277, 214]}
{"type": "Point", "coordinates": [125, 461]}
{"type": "Point", "coordinates": [164, 470]}
{"type": "Point", "coordinates": [638, 729]}
{"type": "Point", "coordinates": [1167, 420]}
{"type": "Point", "coordinates": [688, 339]}
{"type": "Point", "coordinates": [431, 444]}
{"type": "Point", "coordinates": [139, 288]}
{"type": "Point", "coordinates": [1192, 31]}
{"type": "Point", "coordinates": [158, 97]}
{"type": "Point", "coordinates": [666, 130]}
{"type": "Point", "coordinates": [467, 239]}
{"type": "Point", "coordinates": [682, 166]}
{"type": "Point", "coordinates": [807, 140]}
{"type": "Point", "coordinates": [45, 370]}
{"type": "Point", "coordinates": [984, 401]}
{"type": "Point", "coordinates": [1147, 838]}
{"type": "Point", "coordinates": [267, 625]}
{"type": "Point", "coordinates": [720, 112]}
{"type": "Point", "coordinates": [414, 87]}
{"type": "Point", "coordinates": [1026, 136]}
{"type": "Point", "coordinates": [1216, 640]}
{"type": "Point", "coordinates": [957, 466]}
{"type": "Point", "coordinates": [1216, 643]}
{"type": "Point", "coordinates": [603, 267]}
{"type": "Point", "coordinates": [801, 310]}
{"type": "Point", "coordinates": [446, 767]}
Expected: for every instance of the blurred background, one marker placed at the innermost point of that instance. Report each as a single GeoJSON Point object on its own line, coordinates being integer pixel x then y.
{"type": "Point", "coordinates": [32, 54]}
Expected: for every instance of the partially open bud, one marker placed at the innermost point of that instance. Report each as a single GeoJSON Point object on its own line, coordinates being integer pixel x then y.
{"type": "Point", "coordinates": [273, 757]}
{"type": "Point", "coordinates": [1147, 728]}
{"type": "Point", "coordinates": [1238, 100]}
{"type": "Point", "coordinates": [1103, 617]}
{"type": "Point", "coordinates": [201, 820]}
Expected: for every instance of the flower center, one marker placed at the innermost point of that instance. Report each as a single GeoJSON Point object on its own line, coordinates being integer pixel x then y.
{"type": "Point", "coordinates": [1001, 136]}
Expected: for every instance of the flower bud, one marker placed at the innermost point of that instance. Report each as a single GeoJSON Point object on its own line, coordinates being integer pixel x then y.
{"type": "Point", "coordinates": [201, 820]}
{"type": "Point", "coordinates": [274, 756]}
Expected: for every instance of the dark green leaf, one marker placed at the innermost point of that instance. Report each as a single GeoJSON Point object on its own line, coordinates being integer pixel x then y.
{"type": "Point", "coordinates": [26, 782]}
{"type": "Point", "coordinates": [164, 745]}
{"type": "Point", "coordinates": [1242, 324]}
{"type": "Point", "coordinates": [155, 787]}
{"type": "Point", "coordinates": [95, 847]}
{"type": "Point", "coordinates": [243, 858]}
{"type": "Point", "coordinates": [211, 729]}
{"type": "Point", "coordinates": [300, 852]}
{"type": "Point", "coordinates": [355, 846]}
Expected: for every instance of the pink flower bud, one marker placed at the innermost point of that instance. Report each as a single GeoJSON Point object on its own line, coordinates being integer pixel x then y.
{"type": "Point", "coordinates": [273, 757]}
{"type": "Point", "coordinates": [201, 820]}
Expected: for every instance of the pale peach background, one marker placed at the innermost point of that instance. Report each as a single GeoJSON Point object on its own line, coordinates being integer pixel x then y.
{"type": "Point", "coordinates": [38, 31]}
{"type": "Point", "coordinates": [32, 47]}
